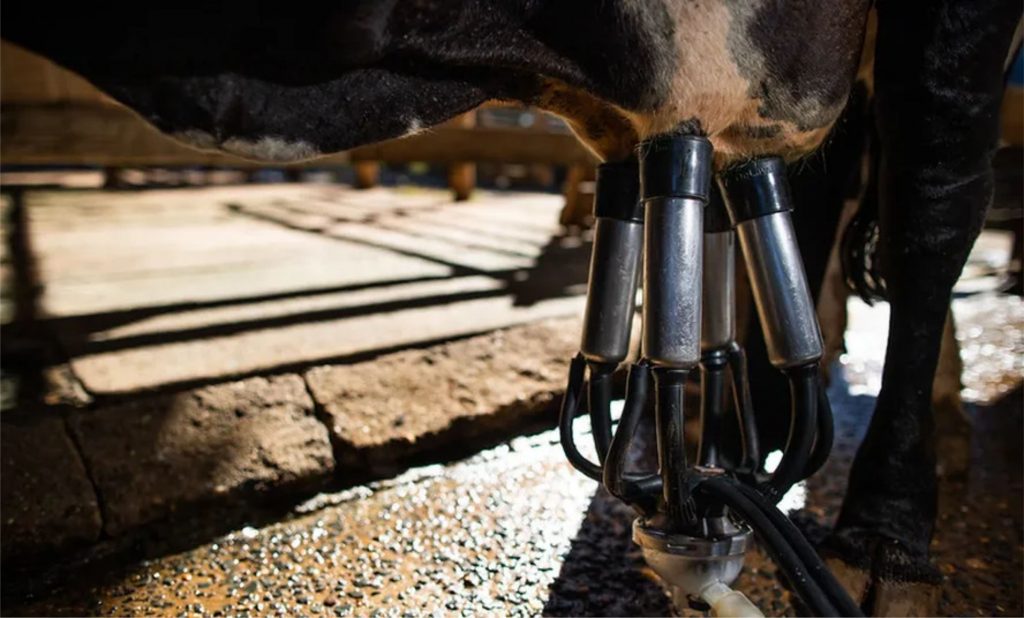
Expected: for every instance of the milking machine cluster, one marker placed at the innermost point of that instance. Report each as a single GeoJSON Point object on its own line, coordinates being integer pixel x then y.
{"type": "Point", "coordinates": [696, 519]}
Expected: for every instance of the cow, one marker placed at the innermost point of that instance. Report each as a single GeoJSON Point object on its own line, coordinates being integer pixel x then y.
{"type": "Point", "coordinates": [280, 82]}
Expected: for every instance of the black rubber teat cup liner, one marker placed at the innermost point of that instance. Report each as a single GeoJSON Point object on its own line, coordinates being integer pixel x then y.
{"type": "Point", "coordinates": [756, 188]}
{"type": "Point", "coordinates": [675, 166]}
{"type": "Point", "coordinates": [617, 192]}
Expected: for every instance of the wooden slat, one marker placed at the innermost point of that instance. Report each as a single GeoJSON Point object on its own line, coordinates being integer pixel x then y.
{"type": "Point", "coordinates": [114, 136]}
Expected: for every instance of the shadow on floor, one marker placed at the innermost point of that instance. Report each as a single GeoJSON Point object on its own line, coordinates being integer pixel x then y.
{"type": "Point", "coordinates": [602, 575]}
{"type": "Point", "coordinates": [978, 544]}
{"type": "Point", "coordinates": [557, 270]}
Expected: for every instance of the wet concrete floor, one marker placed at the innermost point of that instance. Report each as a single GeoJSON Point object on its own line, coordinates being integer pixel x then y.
{"type": "Point", "coordinates": [515, 531]}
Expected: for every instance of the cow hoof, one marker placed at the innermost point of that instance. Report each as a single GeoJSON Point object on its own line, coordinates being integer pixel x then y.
{"type": "Point", "coordinates": [879, 596]}
{"type": "Point", "coordinates": [856, 581]}
{"type": "Point", "coordinates": [893, 598]}
{"type": "Point", "coordinates": [883, 577]}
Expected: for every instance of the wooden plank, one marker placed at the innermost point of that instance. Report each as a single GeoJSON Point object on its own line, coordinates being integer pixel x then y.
{"type": "Point", "coordinates": [115, 136]}
{"type": "Point", "coordinates": [462, 175]}
{"type": "Point", "coordinates": [367, 174]}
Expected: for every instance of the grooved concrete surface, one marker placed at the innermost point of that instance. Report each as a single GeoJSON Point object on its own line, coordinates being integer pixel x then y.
{"type": "Point", "coordinates": [173, 287]}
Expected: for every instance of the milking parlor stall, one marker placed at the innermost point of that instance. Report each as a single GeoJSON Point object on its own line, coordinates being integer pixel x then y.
{"type": "Point", "coordinates": [491, 359]}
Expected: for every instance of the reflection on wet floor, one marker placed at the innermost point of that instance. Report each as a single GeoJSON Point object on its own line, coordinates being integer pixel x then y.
{"type": "Point", "coordinates": [515, 531]}
{"type": "Point", "coordinates": [486, 535]}
{"type": "Point", "coordinates": [989, 329]}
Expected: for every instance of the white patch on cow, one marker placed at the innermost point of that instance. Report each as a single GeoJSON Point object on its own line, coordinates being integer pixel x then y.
{"type": "Point", "coordinates": [264, 148]}
{"type": "Point", "coordinates": [415, 126]}
{"type": "Point", "coordinates": [196, 138]}
{"type": "Point", "coordinates": [270, 149]}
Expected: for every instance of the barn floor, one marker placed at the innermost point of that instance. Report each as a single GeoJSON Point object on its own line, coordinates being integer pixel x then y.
{"type": "Point", "coordinates": [152, 295]}
{"type": "Point", "coordinates": [515, 531]}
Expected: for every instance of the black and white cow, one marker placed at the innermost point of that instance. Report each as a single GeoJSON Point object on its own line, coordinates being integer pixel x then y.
{"type": "Point", "coordinates": [757, 77]}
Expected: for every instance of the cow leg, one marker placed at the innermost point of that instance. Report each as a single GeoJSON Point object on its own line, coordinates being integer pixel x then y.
{"type": "Point", "coordinates": [952, 425]}
{"type": "Point", "coordinates": [938, 77]}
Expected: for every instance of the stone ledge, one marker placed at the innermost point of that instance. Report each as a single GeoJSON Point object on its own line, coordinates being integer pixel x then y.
{"type": "Point", "coordinates": [48, 502]}
{"type": "Point", "coordinates": [155, 455]}
{"type": "Point", "coordinates": [260, 439]}
{"type": "Point", "coordinates": [441, 400]}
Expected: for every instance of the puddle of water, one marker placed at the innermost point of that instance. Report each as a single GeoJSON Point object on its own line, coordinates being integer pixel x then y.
{"type": "Point", "coordinates": [989, 328]}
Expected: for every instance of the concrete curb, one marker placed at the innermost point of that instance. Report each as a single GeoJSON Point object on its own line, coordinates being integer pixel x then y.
{"type": "Point", "coordinates": [116, 468]}
{"type": "Point", "coordinates": [47, 499]}
{"type": "Point", "coordinates": [439, 401]}
{"type": "Point", "coordinates": [150, 457]}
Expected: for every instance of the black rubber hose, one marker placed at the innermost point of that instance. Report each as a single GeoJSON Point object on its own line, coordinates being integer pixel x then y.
{"type": "Point", "coordinates": [570, 404]}
{"type": "Point", "coordinates": [599, 395]}
{"type": "Point", "coordinates": [805, 552]}
{"type": "Point", "coordinates": [712, 392]}
{"type": "Point", "coordinates": [744, 408]}
{"type": "Point", "coordinates": [640, 492]}
{"type": "Point", "coordinates": [774, 542]}
{"type": "Point", "coordinates": [668, 388]}
{"type": "Point", "coordinates": [803, 386]}
{"type": "Point", "coordinates": [825, 434]}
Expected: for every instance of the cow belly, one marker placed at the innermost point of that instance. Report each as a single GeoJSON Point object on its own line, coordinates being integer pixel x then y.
{"type": "Point", "coordinates": [757, 78]}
